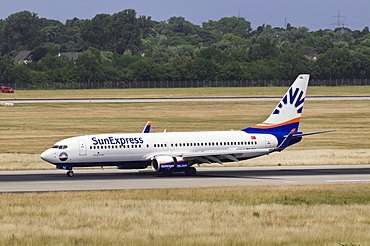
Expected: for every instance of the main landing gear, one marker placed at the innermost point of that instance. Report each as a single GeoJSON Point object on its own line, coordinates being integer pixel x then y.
{"type": "Point", "coordinates": [70, 173]}
{"type": "Point", "coordinates": [190, 171]}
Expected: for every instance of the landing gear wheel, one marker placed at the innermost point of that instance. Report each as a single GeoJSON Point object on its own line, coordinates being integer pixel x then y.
{"type": "Point", "coordinates": [70, 173]}
{"type": "Point", "coordinates": [190, 171]}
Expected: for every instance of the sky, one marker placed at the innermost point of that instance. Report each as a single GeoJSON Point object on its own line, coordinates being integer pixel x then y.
{"type": "Point", "coordinates": [313, 14]}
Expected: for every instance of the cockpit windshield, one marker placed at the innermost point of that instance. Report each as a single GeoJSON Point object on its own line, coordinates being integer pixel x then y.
{"type": "Point", "coordinates": [59, 147]}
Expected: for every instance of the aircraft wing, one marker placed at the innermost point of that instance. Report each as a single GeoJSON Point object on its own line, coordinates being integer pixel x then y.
{"type": "Point", "coordinates": [219, 157]}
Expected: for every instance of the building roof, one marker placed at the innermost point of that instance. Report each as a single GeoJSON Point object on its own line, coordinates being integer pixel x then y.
{"type": "Point", "coordinates": [71, 55]}
{"type": "Point", "coordinates": [22, 56]}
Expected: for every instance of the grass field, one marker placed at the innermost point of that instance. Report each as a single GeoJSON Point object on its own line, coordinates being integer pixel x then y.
{"type": "Point", "coordinates": [28, 129]}
{"type": "Point", "coordinates": [187, 92]}
{"type": "Point", "coordinates": [256, 215]}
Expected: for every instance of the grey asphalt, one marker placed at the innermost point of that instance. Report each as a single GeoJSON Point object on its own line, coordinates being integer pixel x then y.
{"type": "Point", "coordinates": [113, 179]}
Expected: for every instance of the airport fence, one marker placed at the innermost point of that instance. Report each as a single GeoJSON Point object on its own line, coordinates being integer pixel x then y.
{"type": "Point", "coordinates": [180, 84]}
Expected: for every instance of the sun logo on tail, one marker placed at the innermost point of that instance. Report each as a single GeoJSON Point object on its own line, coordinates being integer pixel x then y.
{"type": "Point", "coordinates": [295, 99]}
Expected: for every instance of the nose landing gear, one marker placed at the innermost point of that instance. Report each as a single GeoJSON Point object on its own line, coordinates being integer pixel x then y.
{"type": "Point", "coordinates": [70, 173]}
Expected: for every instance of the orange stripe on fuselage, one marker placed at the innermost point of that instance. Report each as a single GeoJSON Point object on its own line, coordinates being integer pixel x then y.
{"type": "Point", "coordinates": [268, 125]}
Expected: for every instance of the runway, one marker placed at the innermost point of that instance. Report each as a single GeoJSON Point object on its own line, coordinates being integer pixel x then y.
{"type": "Point", "coordinates": [113, 179]}
{"type": "Point", "coordinates": [175, 99]}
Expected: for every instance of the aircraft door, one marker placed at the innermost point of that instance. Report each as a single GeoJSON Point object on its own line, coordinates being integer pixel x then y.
{"type": "Point", "coordinates": [82, 148]}
{"type": "Point", "coordinates": [267, 141]}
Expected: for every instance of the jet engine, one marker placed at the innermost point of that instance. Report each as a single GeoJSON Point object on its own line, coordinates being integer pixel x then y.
{"type": "Point", "coordinates": [168, 164]}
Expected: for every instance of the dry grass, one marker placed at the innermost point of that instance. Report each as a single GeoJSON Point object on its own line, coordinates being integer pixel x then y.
{"type": "Point", "coordinates": [186, 92]}
{"type": "Point", "coordinates": [259, 215]}
{"type": "Point", "coordinates": [28, 129]}
{"type": "Point", "coordinates": [256, 215]}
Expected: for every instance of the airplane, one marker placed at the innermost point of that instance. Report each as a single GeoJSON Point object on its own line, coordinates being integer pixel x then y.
{"type": "Point", "coordinates": [168, 152]}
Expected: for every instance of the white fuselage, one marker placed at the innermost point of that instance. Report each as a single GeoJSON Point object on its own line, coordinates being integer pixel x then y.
{"type": "Point", "coordinates": [136, 150]}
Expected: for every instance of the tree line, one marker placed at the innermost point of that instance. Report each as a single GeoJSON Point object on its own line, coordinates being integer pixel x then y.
{"type": "Point", "coordinates": [127, 47]}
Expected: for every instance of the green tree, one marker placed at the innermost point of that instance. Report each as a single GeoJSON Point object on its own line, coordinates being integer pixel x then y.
{"type": "Point", "coordinates": [233, 71]}
{"type": "Point", "coordinates": [263, 48]}
{"type": "Point", "coordinates": [361, 62]}
{"type": "Point", "coordinates": [183, 67]}
{"type": "Point", "coordinates": [291, 63]}
{"type": "Point", "coordinates": [204, 69]}
{"type": "Point", "coordinates": [89, 67]}
{"type": "Point", "coordinates": [6, 67]}
{"type": "Point", "coordinates": [234, 25]}
{"type": "Point", "coordinates": [141, 70]}
{"type": "Point", "coordinates": [97, 32]}
{"type": "Point", "coordinates": [334, 64]}
{"type": "Point", "coordinates": [230, 40]}
{"type": "Point", "coordinates": [23, 29]}
{"type": "Point", "coordinates": [120, 32]}
{"type": "Point", "coordinates": [320, 44]}
{"type": "Point", "coordinates": [21, 73]}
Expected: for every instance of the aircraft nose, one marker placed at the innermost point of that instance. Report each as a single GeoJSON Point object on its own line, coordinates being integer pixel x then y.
{"type": "Point", "coordinates": [48, 155]}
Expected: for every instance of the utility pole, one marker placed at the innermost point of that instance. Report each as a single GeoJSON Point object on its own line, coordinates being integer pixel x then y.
{"type": "Point", "coordinates": [339, 21]}
{"type": "Point", "coordinates": [285, 24]}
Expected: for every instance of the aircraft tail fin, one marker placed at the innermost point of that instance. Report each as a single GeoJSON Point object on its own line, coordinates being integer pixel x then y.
{"type": "Point", "coordinates": [287, 114]}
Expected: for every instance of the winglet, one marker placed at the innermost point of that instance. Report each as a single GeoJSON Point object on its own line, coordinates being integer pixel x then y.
{"type": "Point", "coordinates": [147, 127]}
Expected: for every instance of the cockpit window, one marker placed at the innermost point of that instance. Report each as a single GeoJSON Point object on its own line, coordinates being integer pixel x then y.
{"type": "Point", "coordinates": [60, 146]}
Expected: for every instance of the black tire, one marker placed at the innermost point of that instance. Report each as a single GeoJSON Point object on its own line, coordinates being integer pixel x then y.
{"type": "Point", "coordinates": [190, 171]}
{"type": "Point", "coordinates": [70, 173]}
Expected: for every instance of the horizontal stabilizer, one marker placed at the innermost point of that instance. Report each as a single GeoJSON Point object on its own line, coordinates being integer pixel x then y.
{"type": "Point", "coordinates": [312, 133]}
{"type": "Point", "coordinates": [285, 143]}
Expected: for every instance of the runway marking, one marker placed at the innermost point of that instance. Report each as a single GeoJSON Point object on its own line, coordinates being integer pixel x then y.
{"type": "Point", "coordinates": [347, 180]}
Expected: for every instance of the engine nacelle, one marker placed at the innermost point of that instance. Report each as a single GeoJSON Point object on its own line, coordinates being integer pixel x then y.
{"type": "Point", "coordinates": [168, 164]}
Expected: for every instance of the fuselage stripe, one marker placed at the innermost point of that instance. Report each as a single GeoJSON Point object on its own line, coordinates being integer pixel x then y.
{"type": "Point", "coordinates": [267, 126]}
